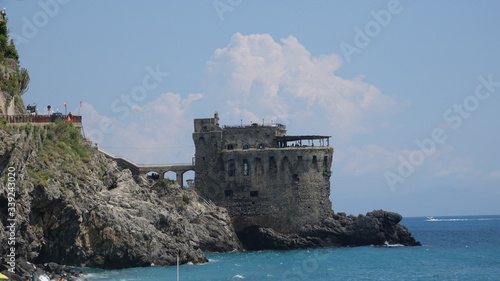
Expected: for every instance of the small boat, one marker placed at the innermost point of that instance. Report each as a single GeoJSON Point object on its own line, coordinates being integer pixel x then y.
{"type": "Point", "coordinates": [431, 219]}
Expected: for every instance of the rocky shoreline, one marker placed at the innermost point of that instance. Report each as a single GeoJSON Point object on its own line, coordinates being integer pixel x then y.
{"type": "Point", "coordinates": [377, 228]}
{"type": "Point", "coordinates": [82, 210]}
{"type": "Point", "coordinates": [52, 271]}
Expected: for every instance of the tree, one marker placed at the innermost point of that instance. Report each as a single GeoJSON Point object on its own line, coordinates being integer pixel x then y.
{"type": "Point", "coordinates": [24, 80]}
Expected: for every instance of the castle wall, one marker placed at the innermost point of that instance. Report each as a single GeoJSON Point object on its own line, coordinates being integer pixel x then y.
{"type": "Point", "coordinates": [284, 189]}
{"type": "Point", "coordinates": [281, 188]}
{"type": "Point", "coordinates": [251, 136]}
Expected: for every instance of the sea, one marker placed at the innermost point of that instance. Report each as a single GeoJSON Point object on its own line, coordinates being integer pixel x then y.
{"type": "Point", "coordinates": [453, 248]}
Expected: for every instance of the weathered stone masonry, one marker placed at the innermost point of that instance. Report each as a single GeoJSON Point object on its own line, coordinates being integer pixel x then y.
{"type": "Point", "coordinates": [262, 176]}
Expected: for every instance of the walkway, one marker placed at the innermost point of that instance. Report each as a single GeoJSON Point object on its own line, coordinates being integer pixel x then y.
{"type": "Point", "coordinates": [20, 119]}
{"type": "Point", "coordinates": [136, 170]}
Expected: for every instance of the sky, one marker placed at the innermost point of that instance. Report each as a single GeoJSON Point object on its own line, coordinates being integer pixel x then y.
{"type": "Point", "coordinates": [409, 91]}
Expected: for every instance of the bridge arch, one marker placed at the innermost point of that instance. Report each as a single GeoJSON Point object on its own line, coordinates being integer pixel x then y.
{"type": "Point", "coordinates": [169, 174]}
{"type": "Point", "coordinates": [154, 175]}
{"type": "Point", "coordinates": [188, 178]}
{"type": "Point", "coordinates": [174, 172]}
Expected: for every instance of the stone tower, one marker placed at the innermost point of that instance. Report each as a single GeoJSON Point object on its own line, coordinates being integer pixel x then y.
{"type": "Point", "coordinates": [262, 176]}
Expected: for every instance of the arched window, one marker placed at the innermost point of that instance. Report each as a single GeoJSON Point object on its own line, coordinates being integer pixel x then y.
{"type": "Point", "coordinates": [230, 147]}
{"type": "Point", "coordinates": [246, 146]}
{"type": "Point", "coordinates": [246, 168]}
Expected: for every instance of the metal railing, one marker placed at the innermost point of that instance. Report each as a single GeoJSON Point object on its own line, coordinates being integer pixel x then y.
{"type": "Point", "coordinates": [40, 118]}
{"type": "Point", "coordinates": [278, 125]}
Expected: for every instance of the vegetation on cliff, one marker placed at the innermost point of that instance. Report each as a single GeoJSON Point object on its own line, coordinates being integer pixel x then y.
{"type": "Point", "coordinates": [74, 206]}
{"type": "Point", "coordinates": [14, 80]}
{"type": "Point", "coordinates": [63, 201]}
{"type": "Point", "coordinates": [62, 145]}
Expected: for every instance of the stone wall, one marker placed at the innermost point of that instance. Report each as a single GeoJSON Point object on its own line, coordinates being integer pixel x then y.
{"type": "Point", "coordinates": [250, 136]}
{"type": "Point", "coordinates": [281, 188]}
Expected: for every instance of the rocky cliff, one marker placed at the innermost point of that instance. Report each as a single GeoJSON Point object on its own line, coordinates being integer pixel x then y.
{"type": "Point", "coordinates": [378, 228]}
{"type": "Point", "coordinates": [74, 206]}
{"type": "Point", "coordinates": [14, 80]}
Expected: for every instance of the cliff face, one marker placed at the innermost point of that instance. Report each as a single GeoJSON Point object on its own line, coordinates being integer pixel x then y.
{"type": "Point", "coordinates": [13, 79]}
{"type": "Point", "coordinates": [74, 206]}
{"type": "Point", "coordinates": [10, 93]}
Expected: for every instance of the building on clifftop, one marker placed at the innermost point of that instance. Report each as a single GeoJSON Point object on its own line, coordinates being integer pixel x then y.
{"type": "Point", "coordinates": [262, 176]}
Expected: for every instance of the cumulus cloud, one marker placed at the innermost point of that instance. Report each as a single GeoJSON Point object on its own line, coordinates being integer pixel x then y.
{"type": "Point", "coordinates": [158, 132]}
{"type": "Point", "coordinates": [252, 79]}
{"type": "Point", "coordinates": [255, 76]}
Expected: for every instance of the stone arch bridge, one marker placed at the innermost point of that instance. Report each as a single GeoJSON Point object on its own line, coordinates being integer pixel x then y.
{"type": "Point", "coordinates": [137, 170]}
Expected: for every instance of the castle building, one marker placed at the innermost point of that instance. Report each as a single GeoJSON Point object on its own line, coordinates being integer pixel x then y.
{"type": "Point", "coordinates": [262, 176]}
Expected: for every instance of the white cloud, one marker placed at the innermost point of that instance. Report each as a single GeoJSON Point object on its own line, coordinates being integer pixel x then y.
{"type": "Point", "coordinates": [257, 76]}
{"type": "Point", "coordinates": [158, 132]}
{"type": "Point", "coordinates": [253, 78]}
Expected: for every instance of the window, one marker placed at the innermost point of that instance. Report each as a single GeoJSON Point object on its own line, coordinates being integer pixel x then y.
{"type": "Point", "coordinates": [254, 194]}
{"type": "Point", "coordinates": [231, 168]}
{"type": "Point", "coordinates": [295, 177]}
{"type": "Point", "coordinates": [228, 193]}
{"type": "Point", "coordinates": [245, 146]}
{"type": "Point", "coordinates": [315, 162]}
{"type": "Point", "coordinates": [272, 165]}
{"type": "Point", "coordinates": [246, 169]}
{"type": "Point", "coordinates": [230, 147]}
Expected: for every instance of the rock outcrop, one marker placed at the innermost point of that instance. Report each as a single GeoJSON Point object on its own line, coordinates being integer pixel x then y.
{"type": "Point", "coordinates": [378, 228]}
{"type": "Point", "coordinates": [74, 206]}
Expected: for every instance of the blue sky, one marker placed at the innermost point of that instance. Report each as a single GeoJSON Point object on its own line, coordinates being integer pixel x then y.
{"type": "Point", "coordinates": [407, 89]}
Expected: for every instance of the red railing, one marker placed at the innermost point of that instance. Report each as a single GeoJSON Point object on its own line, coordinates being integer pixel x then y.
{"type": "Point", "coordinates": [40, 118]}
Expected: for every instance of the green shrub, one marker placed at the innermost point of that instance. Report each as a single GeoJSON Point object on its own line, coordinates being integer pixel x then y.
{"type": "Point", "coordinates": [3, 124]}
{"type": "Point", "coordinates": [11, 52]}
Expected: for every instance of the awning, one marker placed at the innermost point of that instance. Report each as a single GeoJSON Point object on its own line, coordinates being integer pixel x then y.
{"type": "Point", "coordinates": [3, 276]}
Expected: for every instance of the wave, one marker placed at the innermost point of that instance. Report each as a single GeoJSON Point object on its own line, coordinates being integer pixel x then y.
{"type": "Point", "coordinates": [386, 244]}
{"type": "Point", "coordinates": [478, 219]}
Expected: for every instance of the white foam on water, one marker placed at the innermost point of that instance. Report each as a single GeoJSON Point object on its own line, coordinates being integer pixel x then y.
{"type": "Point", "coordinates": [43, 277]}
{"type": "Point", "coordinates": [239, 276]}
{"type": "Point", "coordinates": [386, 244]}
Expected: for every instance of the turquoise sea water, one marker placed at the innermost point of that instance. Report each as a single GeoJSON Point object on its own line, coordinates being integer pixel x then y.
{"type": "Point", "coordinates": [454, 248]}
